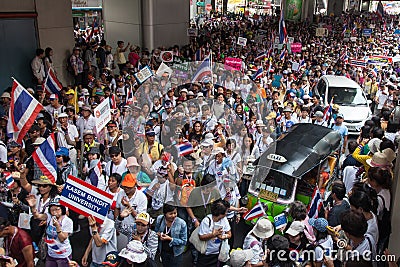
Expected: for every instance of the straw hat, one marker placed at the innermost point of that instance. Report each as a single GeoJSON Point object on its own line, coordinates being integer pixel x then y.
{"type": "Point", "coordinates": [382, 159]}
{"type": "Point", "coordinates": [43, 180]}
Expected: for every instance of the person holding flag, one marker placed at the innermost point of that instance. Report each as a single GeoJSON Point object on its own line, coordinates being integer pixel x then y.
{"type": "Point", "coordinates": [342, 129]}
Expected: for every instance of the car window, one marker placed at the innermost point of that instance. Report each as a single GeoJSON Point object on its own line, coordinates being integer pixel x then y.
{"type": "Point", "coordinates": [347, 96]}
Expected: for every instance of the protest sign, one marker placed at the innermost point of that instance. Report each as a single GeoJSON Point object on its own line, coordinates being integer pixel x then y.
{"type": "Point", "coordinates": [192, 32]}
{"type": "Point", "coordinates": [102, 114]}
{"type": "Point", "coordinates": [290, 40]}
{"type": "Point", "coordinates": [143, 74]}
{"type": "Point", "coordinates": [277, 81]}
{"type": "Point", "coordinates": [295, 66]}
{"type": "Point", "coordinates": [232, 63]}
{"type": "Point", "coordinates": [242, 41]}
{"type": "Point", "coordinates": [320, 32]}
{"type": "Point", "coordinates": [163, 68]}
{"type": "Point", "coordinates": [366, 32]}
{"type": "Point", "coordinates": [167, 56]}
{"type": "Point", "coordinates": [85, 199]}
{"type": "Point", "coordinates": [295, 47]}
{"type": "Point", "coordinates": [379, 60]}
{"type": "Point", "coordinates": [276, 40]}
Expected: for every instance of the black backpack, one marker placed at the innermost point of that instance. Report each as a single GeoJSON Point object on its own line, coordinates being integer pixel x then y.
{"type": "Point", "coordinates": [384, 222]}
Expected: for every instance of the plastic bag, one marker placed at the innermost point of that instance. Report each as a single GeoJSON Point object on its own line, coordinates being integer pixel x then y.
{"type": "Point", "coordinates": [224, 251]}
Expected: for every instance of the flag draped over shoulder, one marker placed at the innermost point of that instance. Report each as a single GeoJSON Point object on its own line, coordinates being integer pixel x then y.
{"type": "Point", "coordinates": [24, 109]}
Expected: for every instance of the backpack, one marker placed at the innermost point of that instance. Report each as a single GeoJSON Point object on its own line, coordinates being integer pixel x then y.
{"type": "Point", "coordinates": [70, 69]}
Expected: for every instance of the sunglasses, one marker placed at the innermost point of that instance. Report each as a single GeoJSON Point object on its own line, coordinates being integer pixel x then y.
{"type": "Point", "coordinates": [43, 185]}
{"type": "Point", "coordinates": [114, 155]}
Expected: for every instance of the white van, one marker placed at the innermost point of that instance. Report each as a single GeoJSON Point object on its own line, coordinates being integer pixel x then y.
{"type": "Point", "coordinates": [353, 103]}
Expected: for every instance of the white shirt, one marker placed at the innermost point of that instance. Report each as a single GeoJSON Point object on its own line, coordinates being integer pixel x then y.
{"type": "Point", "coordinates": [108, 235]}
{"type": "Point", "coordinates": [207, 225]}
{"type": "Point", "coordinates": [120, 168]}
{"type": "Point", "coordinates": [72, 133]}
{"type": "Point", "coordinates": [38, 68]}
{"type": "Point", "coordinates": [138, 200]}
{"type": "Point", "coordinates": [3, 152]}
{"type": "Point", "coordinates": [162, 195]}
{"type": "Point", "coordinates": [83, 124]}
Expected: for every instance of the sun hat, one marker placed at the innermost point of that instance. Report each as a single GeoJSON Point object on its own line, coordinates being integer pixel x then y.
{"type": "Point", "coordinates": [184, 90]}
{"type": "Point", "coordinates": [129, 180]}
{"type": "Point", "coordinates": [87, 108]}
{"type": "Point", "coordinates": [43, 180]}
{"type": "Point", "coordinates": [207, 143]}
{"type": "Point", "coordinates": [287, 109]}
{"type": "Point", "coordinates": [320, 224]}
{"type": "Point", "coordinates": [209, 136]}
{"type": "Point", "coordinates": [382, 159]}
{"type": "Point", "coordinates": [240, 257]}
{"type": "Point", "coordinates": [217, 150]}
{"type": "Point", "coordinates": [62, 115]}
{"type": "Point", "coordinates": [143, 217]}
{"type": "Point", "coordinates": [112, 259]}
{"type": "Point", "coordinates": [263, 228]}
{"type": "Point", "coordinates": [374, 144]}
{"type": "Point", "coordinates": [132, 161]}
{"type": "Point", "coordinates": [88, 132]}
{"type": "Point", "coordinates": [260, 123]}
{"type": "Point", "coordinates": [85, 92]}
{"type": "Point", "coordinates": [39, 141]}
{"type": "Point", "coordinates": [295, 228]}
{"type": "Point", "coordinates": [134, 252]}
{"type": "Point", "coordinates": [319, 114]}
{"type": "Point", "coordinates": [6, 95]}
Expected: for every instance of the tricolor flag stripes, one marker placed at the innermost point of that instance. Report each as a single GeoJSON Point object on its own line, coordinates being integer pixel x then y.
{"type": "Point", "coordinates": [9, 180]}
{"type": "Point", "coordinates": [45, 158]}
{"type": "Point", "coordinates": [256, 212]}
{"type": "Point", "coordinates": [95, 174]}
{"type": "Point", "coordinates": [203, 71]}
{"type": "Point", "coordinates": [53, 244]}
{"type": "Point", "coordinates": [24, 109]}
{"type": "Point", "coordinates": [315, 204]}
{"type": "Point", "coordinates": [258, 74]}
{"type": "Point", "coordinates": [52, 85]}
{"type": "Point", "coordinates": [185, 148]}
{"type": "Point", "coordinates": [282, 28]}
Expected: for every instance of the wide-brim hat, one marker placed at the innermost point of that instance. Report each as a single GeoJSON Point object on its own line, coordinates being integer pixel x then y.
{"type": "Point", "coordinates": [218, 150]}
{"type": "Point", "coordinates": [287, 109]}
{"type": "Point", "coordinates": [132, 161]}
{"type": "Point", "coordinates": [263, 228]}
{"type": "Point", "coordinates": [382, 159]}
{"type": "Point", "coordinates": [43, 180]}
{"type": "Point", "coordinates": [134, 252]}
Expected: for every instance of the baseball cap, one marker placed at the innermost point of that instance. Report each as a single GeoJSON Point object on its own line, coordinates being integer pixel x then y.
{"type": "Point", "coordinates": [112, 124]}
{"type": "Point", "coordinates": [150, 133]}
{"type": "Point", "coordinates": [53, 97]}
{"type": "Point", "coordinates": [39, 141]}
{"type": "Point", "coordinates": [340, 115]}
{"type": "Point", "coordinates": [129, 180]}
{"type": "Point", "coordinates": [319, 114]}
{"type": "Point", "coordinates": [143, 217]}
{"type": "Point", "coordinates": [295, 228]}
{"type": "Point", "coordinates": [62, 151]}
{"type": "Point", "coordinates": [62, 115]}
{"type": "Point", "coordinates": [112, 259]}
{"type": "Point", "coordinates": [240, 257]}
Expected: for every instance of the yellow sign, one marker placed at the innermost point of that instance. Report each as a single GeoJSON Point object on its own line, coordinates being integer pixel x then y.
{"type": "Point", "coordinates": [268, 195]}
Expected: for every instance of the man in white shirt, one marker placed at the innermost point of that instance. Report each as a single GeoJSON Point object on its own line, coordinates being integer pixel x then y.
{"type": "Point", "coordinates": [38, 66]}
{"type": "Point", "coordinates": [130, 198]}
{"type": "Point", "coordinates": [67, 136]}
{"type": "Point", "coordinates": [87, 121]}
{"type": "Point", "coordinates": [117, 164]}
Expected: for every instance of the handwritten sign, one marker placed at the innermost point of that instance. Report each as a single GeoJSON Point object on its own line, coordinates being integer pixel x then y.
{"type": "Point", "coordinates": [143, 74]}
{"type": "Point", "coordinates": [296, 47]}
{"type": "Point", "coordinates": [268, 195]}
{"type": "Point", "coordinates": [232, 63]}
{"type": "Point", "coordinates": [85, 199]}
{"type": "Point", "coordinates": [192, 32]}
{"type": "Point", "coordinates": [242, 41]}
{"type": "Point", "coordinates": [320, 32]}
{"type": "Point", "coordinates": [102, 114]}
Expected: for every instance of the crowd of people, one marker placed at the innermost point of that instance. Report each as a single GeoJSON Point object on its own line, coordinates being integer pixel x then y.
{"type": "Point", "coordinates": [175, 153]}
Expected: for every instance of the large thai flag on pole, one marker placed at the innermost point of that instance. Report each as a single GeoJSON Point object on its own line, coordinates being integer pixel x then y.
{"type": "Point", "coordinates": [379, 10]}
{"type": "Point", "coordinates": [256, 212]}
{"type": "Point", "coordinates": [328, 111]}
{"type": "Point", "coordinates": [315, 204]}
{"type": "Point", "coordinates": [24, 109]}
{"type": "Point", "coordinates": [52, 84]}
{"type": "Point", "coordinates": [45, 158]}
{"type": "Point", "coordinates": [282, 28]}
{"type": "Point", "coordinates": [203, 71]}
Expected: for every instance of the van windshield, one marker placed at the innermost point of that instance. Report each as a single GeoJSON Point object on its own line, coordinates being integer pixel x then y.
{"type": "Point", "coordinates": [272, 181]}
{"type": "Point", "coordinates": [347, 96]}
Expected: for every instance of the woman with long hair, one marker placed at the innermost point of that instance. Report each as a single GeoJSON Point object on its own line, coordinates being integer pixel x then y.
{"type": "Point", "coordinates": [48, 61]}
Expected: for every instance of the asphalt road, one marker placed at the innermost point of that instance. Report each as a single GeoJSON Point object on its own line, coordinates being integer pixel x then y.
{"type": "Point", "coordinates": [80, 240]}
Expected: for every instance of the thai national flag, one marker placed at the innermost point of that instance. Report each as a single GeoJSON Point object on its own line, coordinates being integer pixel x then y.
{"type": "Point", "coordinates": [203, 71]}
{"type": "Point", "coordinates": [379, 10]}
{"type": "Point", "coordinates": [258, 74]}
{"type": "Point", "coordinates": [282, 28]}
{"type": "Point", "coordinates": [282, 55]}
{"type": "Point", "coordinates": [256, 212]}
{"type": "Point", "coordinates": [52, 85]}
{"type": "Point", "coordinates": [23, 111]}
{"type": "Point", "coordinates": [198, 55]}
{"type": "Point", "coordinates": [358, 63]}
{"type": "Point", "coordinates": [113, 102]}
{"type": "Point", "coordinates": [344, 29]}
{"type": "Point", "coordinates": [95, 174]}
{"type": "Point", "coordinates": [261, 55]}
{"type": "Point", "coordinates": [315, 204]}
{"type": "Point", "coordinates": [328, 111]}
{"type": "Point", "coordinates": [185, 148]}
{"type": "Point", "coordinates": [45, 158]}
{"type": "Point", "coordinates": [9, 180]}
{"type": "Point", "coordinates": [129, 96]}
{"type": "Point", "coordinates": [53, 244]}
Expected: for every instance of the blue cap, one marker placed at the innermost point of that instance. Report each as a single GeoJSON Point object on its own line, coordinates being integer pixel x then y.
{"type": "Point", "coordinates": [62, 151]}
{"type": "Point", "coordinates": [320, 224]}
